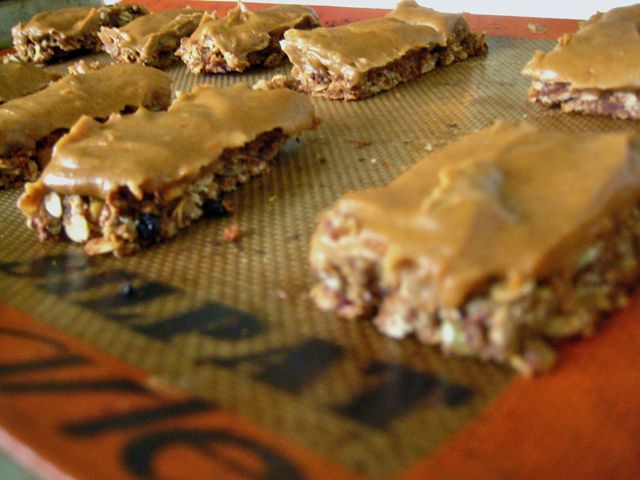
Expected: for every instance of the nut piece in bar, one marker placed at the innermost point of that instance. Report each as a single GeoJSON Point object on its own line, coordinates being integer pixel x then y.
{"type": "Point", "coordinates": [138, 179]}
{"type": "Point", "coordinates": [55, 34]}
{"type": "Point", "coordinates": [361, 59]}
{"type": "Point", "coordinates": [30, 125]}
{"type": "Point", "coordinates": [151, 40]}
{"type": "Point", "coordinates": [490, 248]}
{"type": "Point", "coordinates": [592, 71]}
{"type": "Point", "coordinates": [19, 79]}
{"type": "Point", "coordinates": [242, 38]}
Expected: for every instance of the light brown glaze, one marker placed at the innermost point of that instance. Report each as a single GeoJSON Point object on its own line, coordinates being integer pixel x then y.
{"type": "Point", "coordinates": [353, 49]}
{"type": "Point", "coordinates": [242, 31]}
{"type": "Point", "coordinates": [603, 54]}
{"type": "Point", "coordinates": [510, 202]}
{"type": "Point", "coordinates": [65, 21]}
{"type": "Point", "coordinates": [19, 79]}
{"type": "Point", "coordinates": [25, 120]}
{"type": "Point", "coordinates": [70, 22]}
{"type": "Point", "coordinates": [146, 30]}
{"type": "Point", "coordinates": [151, 151]}
{"type": "Point", "coordinates": [447, 24]}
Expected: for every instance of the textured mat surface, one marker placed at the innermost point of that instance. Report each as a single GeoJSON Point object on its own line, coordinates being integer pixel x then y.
{"type": "Point", "coordinates": [233, 323]}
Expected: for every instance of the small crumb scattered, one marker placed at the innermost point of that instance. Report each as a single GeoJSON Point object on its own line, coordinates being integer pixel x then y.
{"type": "Point", "coordinates": [232, 233]}
{"type": "Point", "coordinates": [429, 147]}
{"type": "Point", "coordinates": [272, 198]}
{"type": "Point", "coordinates": [81, 67]}
{"type": "Point", "coordinates": [128, 290]}
{"type": "Point", "coordinates": [535, 27]}
{"type": "Point", "coordinates": [363, 143]}
{"type": "Point", "coordinates": [282, 294]}
{"type": "Point", "coordinates": [228, 205]}
{"type": "Point", "coordinates": [374, 160]}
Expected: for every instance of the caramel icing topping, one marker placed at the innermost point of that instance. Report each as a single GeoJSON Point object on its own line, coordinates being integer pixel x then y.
{"type": "Point", "coordinates": [603, 54]}
{"type": "Point", "coordinates": [66, 21]}
{"type": "Point", "coordinates": [151, 151]}
{"type": "Point", "coordinates": [353, 49]}
{"type": "Point", "coordinates": [509, 202]}
{"type": "Point", "coordinates": [69, 22]}
{"type": "Point", "coordinates": [447, 24]}
{"type": "Point", "coordinates": [25, 120]}
{"type": "Point", "coordinates": [145, 31]}
{"type": "Point", "coordinates": [19, 79]}
{"type": "Point", "coordinates": [242, 31]}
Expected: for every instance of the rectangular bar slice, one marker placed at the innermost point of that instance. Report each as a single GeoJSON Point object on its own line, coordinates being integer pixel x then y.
{"type": "Point", "coordinates": [494, 247]}
{"type": "Point", "coordinates": [57, 33]}
{"type": "Point", "coordinates": [30, 125]}
{"type": "Point", "coordinates": [151, 40]}
{"type": "Point", "coordinates": [361, 59]}
{"type": "Point", "coordinates": [242, 39]}
{"type": "Point", "coordinates": [138, 179]}
{"type": "Point", "coordinates": [19, 79]}
{"type": "Point", "coordinates": [593, 71]}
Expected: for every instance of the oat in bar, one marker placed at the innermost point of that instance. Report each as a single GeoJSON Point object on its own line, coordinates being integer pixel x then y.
{"type": "Point", "coordinates": [55, 34]}
{"type": "Point", "coordinates": [593, 71]}
{"type": "Point", "coordinates": [19, 79]}
{"type": "Point", "coordinates": [243, 38]}
{"type": "Point", "coordinates": [30, 125]}
{"type": "Point", "coordinates": [361, 59]}
{"type": "Point", "coordinates": [138, 179]}
{"type": "Point", "coordinates": [495, 247]}
{"type": "Point", "coordinates": [151, 40]}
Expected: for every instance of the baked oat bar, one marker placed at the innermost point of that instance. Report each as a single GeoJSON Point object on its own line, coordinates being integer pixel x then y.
{"type": "Point", "coordinates": [593, 71]}
{"type": "Point", "coordinates": [361, 59]}
{"type": "Point", "coordinates": [494, 247]}
{"type": "Point", "coordinates": [30, 125]}
{"type": "Point", "coordinates": [138, 179]}
{"type": "Point", "coordinates": [55, 34]}
{"type": "Point", "coordinates": [19, 79]}
{"type": "Point", "coordinates": [242, 39]}
{"type": "Point", "coordinates": [151, 40]}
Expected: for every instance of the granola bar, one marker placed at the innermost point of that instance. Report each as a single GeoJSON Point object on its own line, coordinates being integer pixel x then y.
{"type": "Point", "coordinates": [19, 79]}
{"type": "Point", "coordinates": [593, 71]}
{"type": "Point", "coordinates": [151, 40]}
{"type": "Point", "coordinates": [30, 125]}
{"type": "Point", "coordinates": [138, 179]}
{"type": "Point", "coordinates": [55, 34]}
{"type": "Point", "coordinates": [242, 39]}
{"type": "Point", "coordinates": [361, 59]}
{"type": "Point", "coordinates": [490, 247]}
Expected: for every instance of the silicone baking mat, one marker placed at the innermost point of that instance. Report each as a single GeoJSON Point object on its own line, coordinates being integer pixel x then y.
{"type": "Point", "coordinates": [232, 322]}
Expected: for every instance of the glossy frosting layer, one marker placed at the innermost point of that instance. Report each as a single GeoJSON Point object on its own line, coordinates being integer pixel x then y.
{"type": "Point", "coordinates": [603, 54]}
{"type": "Point", "coordinates": [25, 120]}
{"type": "Point", "coordinates": [447, 24]}
{"type": "Point", "coordinates": [148, 29]}
{"type": "Point", "coordinates": [509, 202]}
{"type": "Point", "coordinates": [73, 21]}
{"type": "Point", "coordinates": [19, 79]}
{"type": "Point", "coordinates": [151, 151]}
{"type": "Point", "coordinates": [242, 31]}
